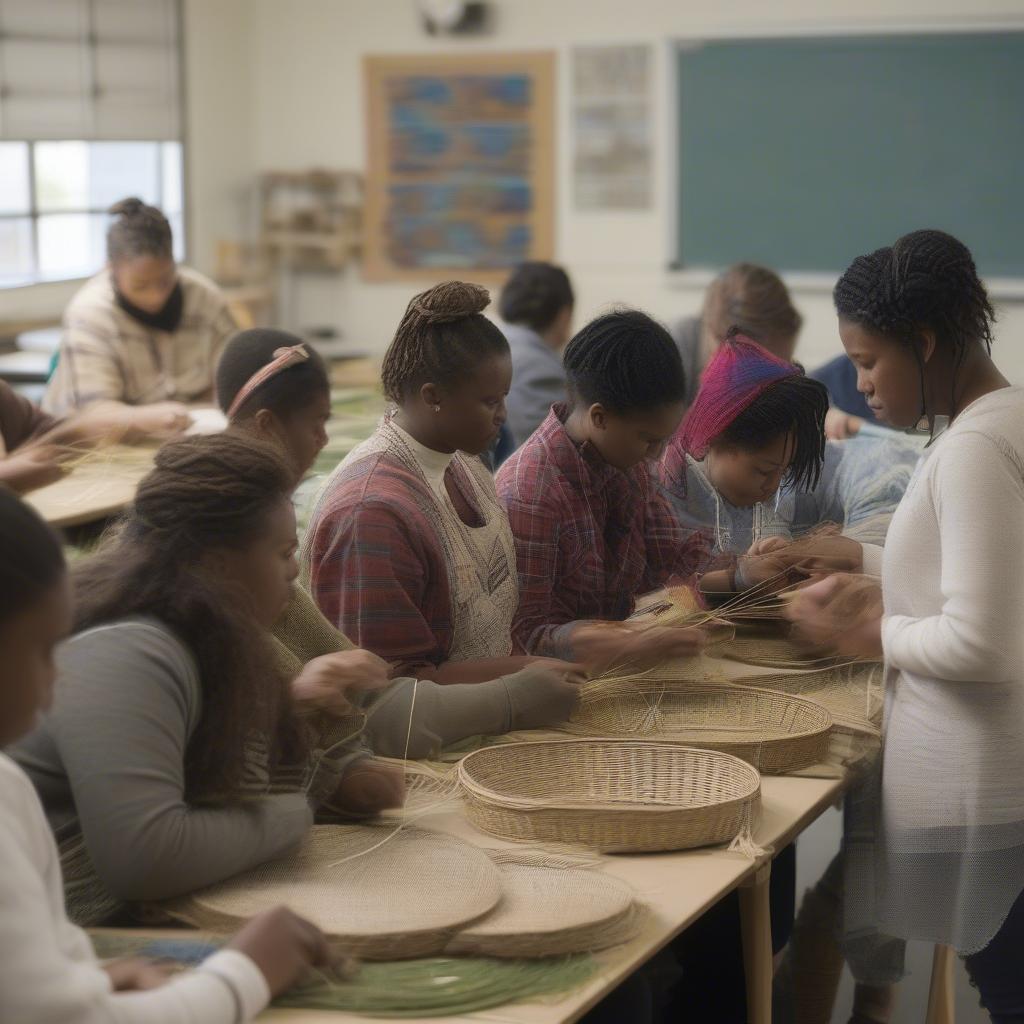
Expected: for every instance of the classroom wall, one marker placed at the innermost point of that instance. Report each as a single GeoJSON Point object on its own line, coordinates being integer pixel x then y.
{"type": "Point", "coordinates": [308, 110]}
{"type": "Point", "coordinates": [277, 84]}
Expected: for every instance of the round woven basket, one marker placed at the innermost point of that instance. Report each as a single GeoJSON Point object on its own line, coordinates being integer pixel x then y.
{"type": "Point", "coordinates": [405, 897]}
{"type": "Point", "coordinates": [548, 911]}
{"type": "Point", "coordinates": [775, 732]}
{"type": "Point", "coordinates": [609, 794]}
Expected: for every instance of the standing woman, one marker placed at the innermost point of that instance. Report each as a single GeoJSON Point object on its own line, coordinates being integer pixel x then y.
{"type": "Point", "coordinates": [408, 551]}
{"type": "Point", "coordinates": [945, 862]}
{"type": "Point", "coordinates": [143, 336]}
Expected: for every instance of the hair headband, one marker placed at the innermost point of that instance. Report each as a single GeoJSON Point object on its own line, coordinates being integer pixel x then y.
{"type": "Point", "coordinates": [283, 358]}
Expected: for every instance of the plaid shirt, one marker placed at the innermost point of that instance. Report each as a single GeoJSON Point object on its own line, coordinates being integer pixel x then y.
{"type": "Point", "coordinates": [107, 355]}
{"type": "Point", "coordinates": [589, 538]}
{"type": "Point", "coordinates": [376, 566]}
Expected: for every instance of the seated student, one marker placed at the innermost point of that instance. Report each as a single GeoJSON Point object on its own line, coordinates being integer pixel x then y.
{"type": "Point", "coordinates": [274, 388]}
{"type": "Point", "coordinates": [591, 531]}
{"type": "Point", "coordinates": [142, 337]}
{"type": "Point", "coordinates": [750, 296]}
{"type": "Point", "coordinates": [49, 971]}
{"type": "Point", "coordinates": [408, 550]}
{"type": "Point", "coordinates": [536, 309]}
{"type": "Point", "coordinates": [176, 753]}
{"type": "Point", "coordinates": [750, 462]}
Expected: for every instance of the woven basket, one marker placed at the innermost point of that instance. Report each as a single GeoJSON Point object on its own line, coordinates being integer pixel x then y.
{"type": "Point", "coordinates": [549, 911]}
{"type": "Point", "coordinates": [404, 898]}
{"type": "Point", "coordinates": [609, 794]}
{"type": "Point", "coordinates": [775, 732]}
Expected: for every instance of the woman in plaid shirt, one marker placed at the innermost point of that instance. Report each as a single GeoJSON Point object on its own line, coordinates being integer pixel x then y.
{"type": "Point", "coordinates": [591, 530]}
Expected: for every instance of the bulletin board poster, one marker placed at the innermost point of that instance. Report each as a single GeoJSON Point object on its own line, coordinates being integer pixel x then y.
{"type": "Point", "coordinates": [460, 177]}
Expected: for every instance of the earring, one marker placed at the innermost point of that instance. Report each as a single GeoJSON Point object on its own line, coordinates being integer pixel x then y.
{"type": "Point", "coordinates": [437, 408]}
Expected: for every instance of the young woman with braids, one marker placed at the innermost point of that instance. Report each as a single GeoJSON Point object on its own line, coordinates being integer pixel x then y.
{"type": "Point", "coordinates": [142, 337]}
{"type": "Point", "coordinates": [179, 750]}
{"type": "Point", "coordinates": [750, 465]}
{"type": "Point", "coordinates": [938, 853]}
{"type": "Point", "coordinates": [408, 550]}
{"type": "Point", "coordinates": [49, 970]}
{"type": "Point", "coordinates": [591, 534]}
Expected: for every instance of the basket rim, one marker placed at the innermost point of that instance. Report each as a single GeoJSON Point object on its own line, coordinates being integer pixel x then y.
{"type": "Point", "coordinates": [480, 791]}
{"type": "Point", "coordinates": [815, 708]}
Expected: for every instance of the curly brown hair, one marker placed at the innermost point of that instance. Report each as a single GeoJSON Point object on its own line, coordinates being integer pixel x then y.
{"type": "Point", "coordinates": [204, 494]}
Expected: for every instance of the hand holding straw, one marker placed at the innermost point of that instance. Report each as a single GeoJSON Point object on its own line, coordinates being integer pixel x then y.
{"type": "Point", "coordinates": [842, 613]}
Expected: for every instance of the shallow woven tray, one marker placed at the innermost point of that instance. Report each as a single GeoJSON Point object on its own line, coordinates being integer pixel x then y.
{"type": "Point", "coordinates": [404, 899]}
{"type": "Point", "coordinates": [608, 794]}
{"type": "Point", "coordinates": [775, 732]}
{"type": "Point", "coordinates": [549, 911]}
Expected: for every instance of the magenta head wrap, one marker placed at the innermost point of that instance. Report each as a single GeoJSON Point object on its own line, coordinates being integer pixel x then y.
{"type": "Point", "coordinates": [738, 374]}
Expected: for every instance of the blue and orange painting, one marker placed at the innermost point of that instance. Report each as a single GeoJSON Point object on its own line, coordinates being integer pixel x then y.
{"type": "Point", "coordinates": [459, 160]}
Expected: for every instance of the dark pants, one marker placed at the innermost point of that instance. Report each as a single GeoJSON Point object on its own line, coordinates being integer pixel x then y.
{"type": "Point", "coordinates": [998, 970]}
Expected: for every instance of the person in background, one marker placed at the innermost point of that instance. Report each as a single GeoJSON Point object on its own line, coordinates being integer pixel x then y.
{"type": "Point", "coordinates": [536, 309]}
{"type": "Point", "coordinates": [747, 296]}
{"type": "Point", "coordinates": [49, 970]}
{"type": "Point", "coordinates": [142, 337]}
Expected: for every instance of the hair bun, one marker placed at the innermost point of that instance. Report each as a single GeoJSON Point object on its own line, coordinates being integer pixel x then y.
{"type": "Point", "coordinates": [130, 207]}
{"type": "Point", "coordinates": [450, 301]}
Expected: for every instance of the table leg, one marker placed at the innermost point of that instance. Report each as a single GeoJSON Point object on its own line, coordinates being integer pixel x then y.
{"type": "Point", "coordinates": [756, 927]}
{"type": "Point", "coordinates": [941, 997]}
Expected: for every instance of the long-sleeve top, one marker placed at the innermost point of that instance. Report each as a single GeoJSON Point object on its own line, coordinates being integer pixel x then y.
{"type": "Point", "coordinates": [49, 973]}
{"type": "Point", "coordinates": [589, 538]}
{"type": "Point", "coordinates": [20, 420]}
{"type": "Point", "coordinates": [951, 820]}
{"type": "Point", "coordinates": [107, 355]}
{"type": "Point", "coordinates": [108, 762]}
{"type": "Point", "coordinates": [862, 482]}
{"type": "Point", "coordinates": [538, 381]}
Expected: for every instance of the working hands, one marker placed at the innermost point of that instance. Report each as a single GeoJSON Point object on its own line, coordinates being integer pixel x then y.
{"type": "Point", "coordinates": [776, 558]}
{"type": "Point", "coordinates": [31, 467]}
{"type": "Point", "coordinates": [600, 645]}
{"type": "Point", "coordinates": [368, 787]}
{"type": "Point", "coordinates": [329, 683]}
{"type": "Point", "coordinates": [841, 614]}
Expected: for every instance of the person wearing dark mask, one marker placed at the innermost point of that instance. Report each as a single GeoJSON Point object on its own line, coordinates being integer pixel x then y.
{"type": "Point", "coordinates": [142, 337]}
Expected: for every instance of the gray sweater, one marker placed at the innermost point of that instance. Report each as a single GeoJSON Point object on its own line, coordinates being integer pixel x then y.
{"type": "Point", "coordinates": [108, 763]}
{"type": "Point", "coordinates": [538, 381]}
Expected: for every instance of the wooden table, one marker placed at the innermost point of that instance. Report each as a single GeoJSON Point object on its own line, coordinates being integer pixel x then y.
{"type": "Point", "coordinates": [99, 488]}
{"type": "Point", "coordinates": [678, 888]}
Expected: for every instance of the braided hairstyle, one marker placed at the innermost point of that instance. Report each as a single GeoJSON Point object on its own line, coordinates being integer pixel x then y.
{"type": "Point", "coordinates": [31, 560]}
{"type": "Point", "coordinates": [793, 406]}
{"type": "Point", "coordinates": [926, 280]}
{"type": "Point", "coordinates": [139, 230]}
{"type": "Point", "coordinates": [442, 338]}
{"type": "Point", "coordinates": [286, 392]}
{"type": "Point", "coordinates": [204, 493]}
{"type": "Point", "coordinates": [535, 294]}
{"type": "Point", "coordinates": [625, 361]}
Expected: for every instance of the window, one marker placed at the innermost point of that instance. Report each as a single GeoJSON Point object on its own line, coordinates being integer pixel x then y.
{"type": "Point", "coordinates": [89, 114]}
{"type": "Point", "coordinates": [54, 197]}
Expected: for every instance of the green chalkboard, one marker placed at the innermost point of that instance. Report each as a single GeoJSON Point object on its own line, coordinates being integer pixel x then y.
{"type": "Point", "coordinates": [803, 153]}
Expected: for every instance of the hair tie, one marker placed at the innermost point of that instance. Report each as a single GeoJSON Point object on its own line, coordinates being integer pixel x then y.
{"type": "Point", "coordinates": [283, 358]}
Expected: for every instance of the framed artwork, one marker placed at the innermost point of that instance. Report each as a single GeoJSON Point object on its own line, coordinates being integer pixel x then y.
{"type": "Point", "coordinates": [460, 177]}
